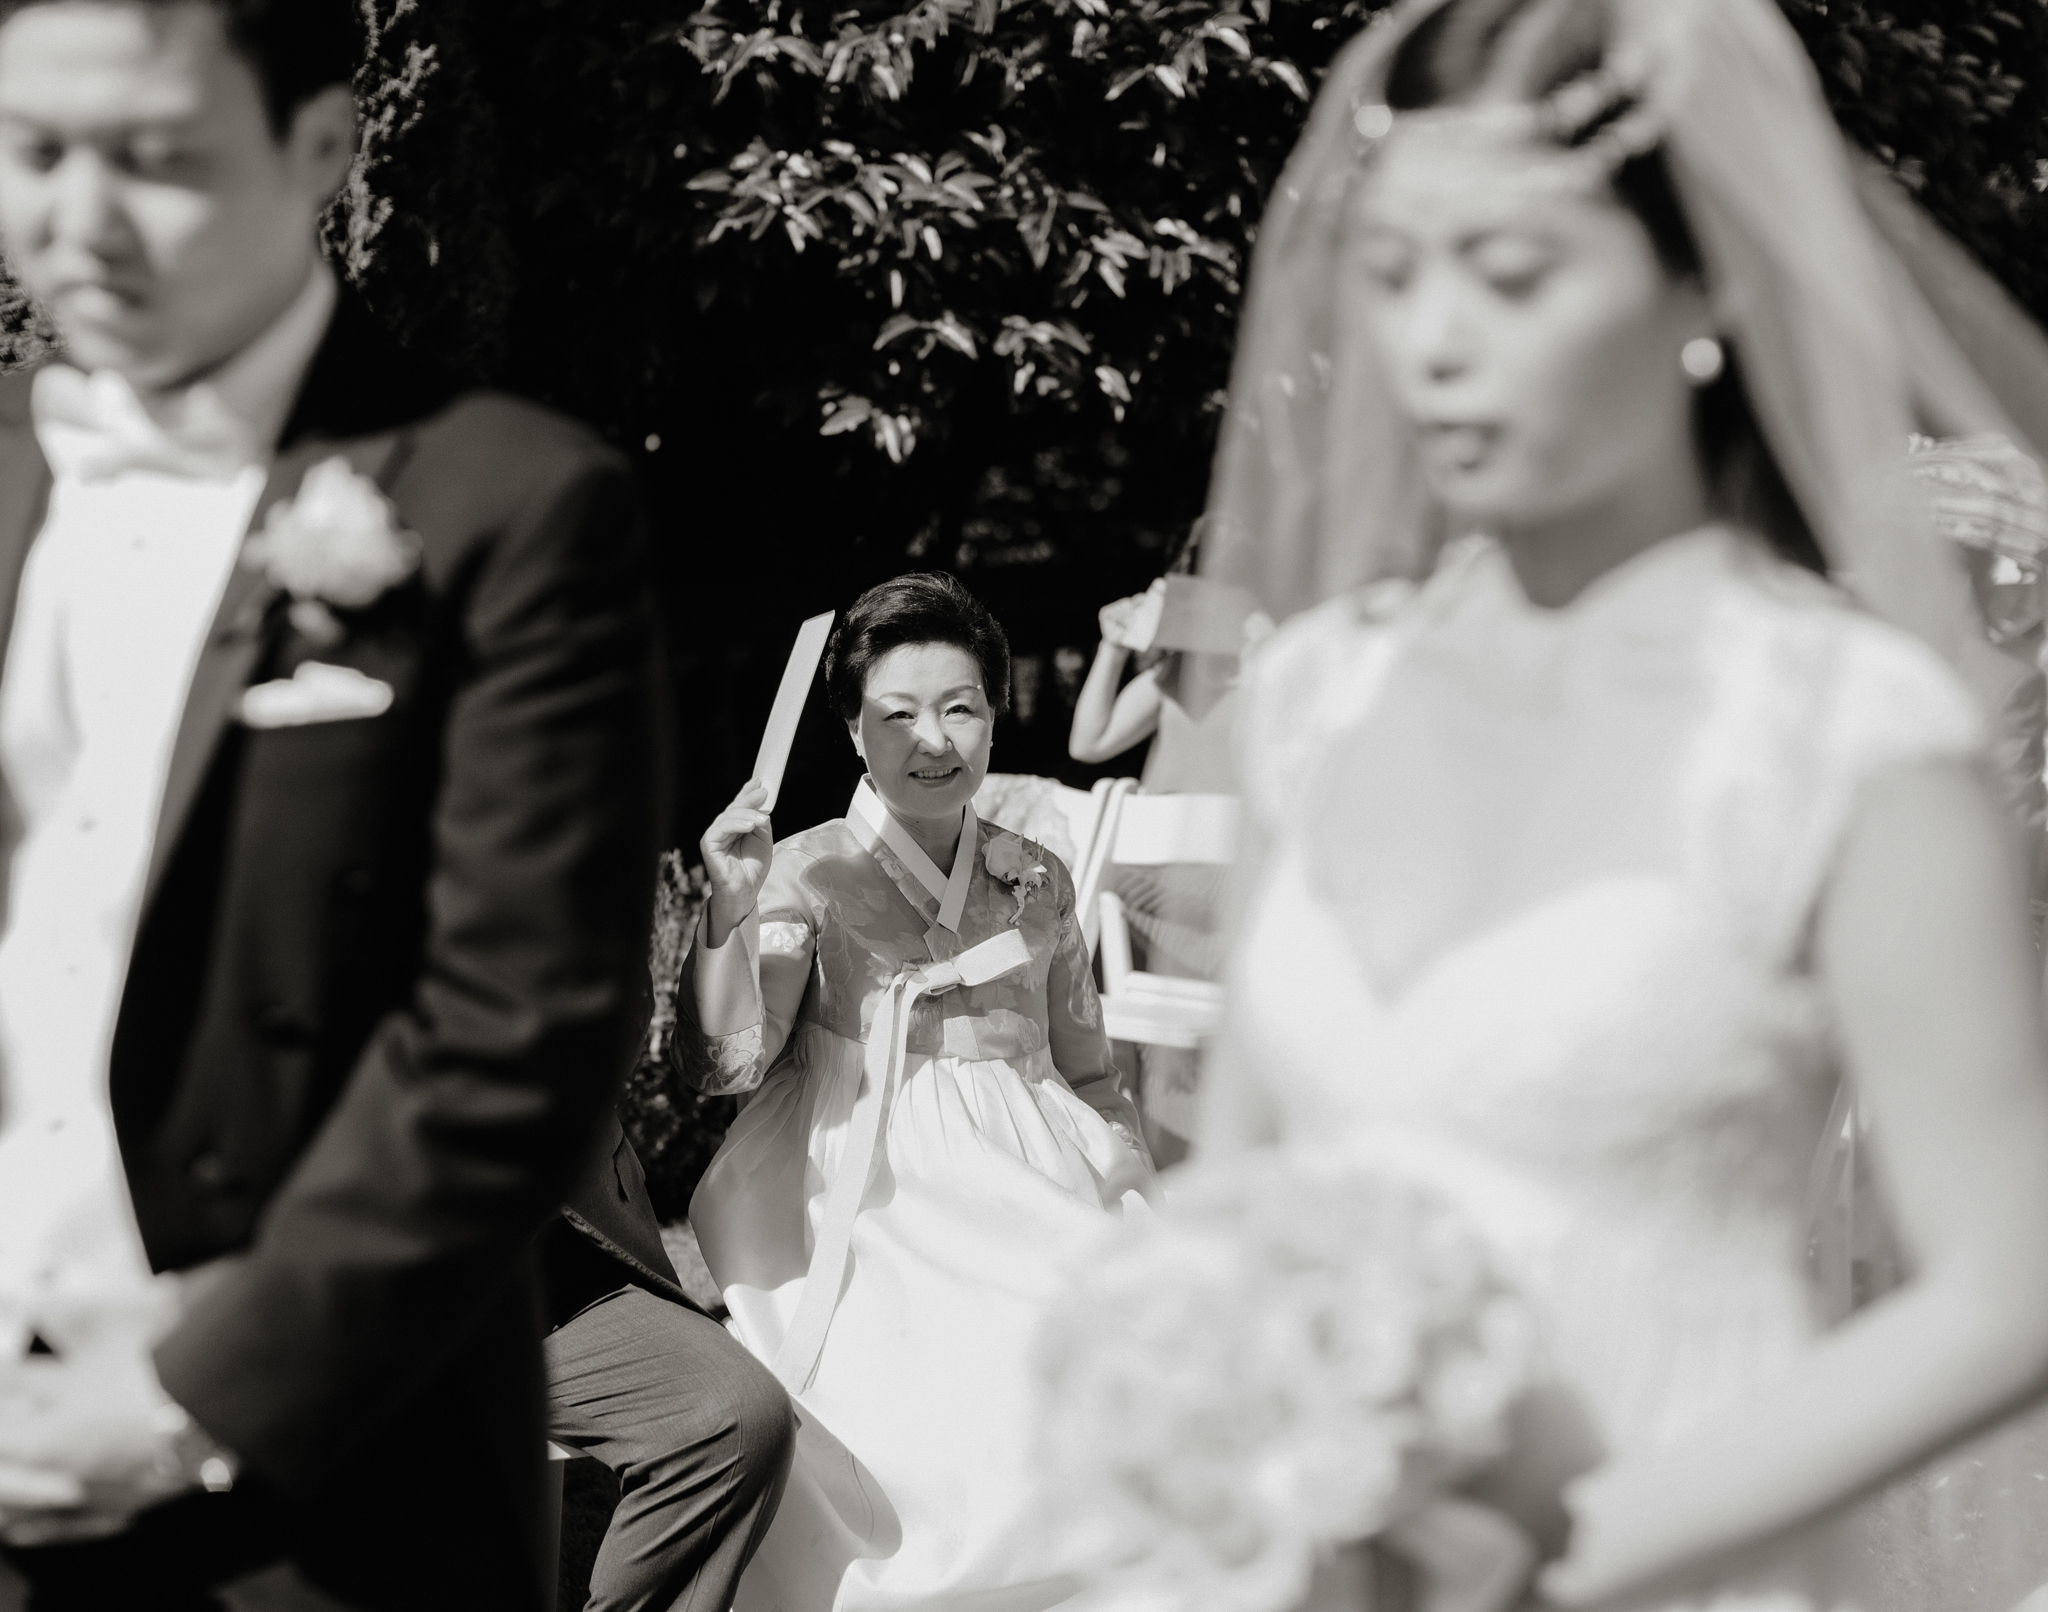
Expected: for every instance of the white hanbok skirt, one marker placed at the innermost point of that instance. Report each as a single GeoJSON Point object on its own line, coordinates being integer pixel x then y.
{"type": "Point", "coordinates": [914, 1483]}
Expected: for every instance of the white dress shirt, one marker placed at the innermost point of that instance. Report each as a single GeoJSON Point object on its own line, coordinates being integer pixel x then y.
{"type": "Point", "coordinates": [118, 593]}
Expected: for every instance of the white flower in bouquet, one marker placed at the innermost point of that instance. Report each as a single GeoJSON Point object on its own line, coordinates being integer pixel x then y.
{"type": "Point", "coordinates": [1299, 1354]}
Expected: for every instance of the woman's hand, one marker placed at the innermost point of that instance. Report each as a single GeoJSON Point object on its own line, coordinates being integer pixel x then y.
{"type": "Point", "coordinates": [1115, 619]}
{"type": "Point", "coordinates": [1618, 1530]}
{"type": "Point", "coordinates": [1471, 1558]}
{"type": "Point", "coordinates": [738, 847]}
{"type": "Point", "coordinates": [1106, 722]}
{"type": "Point", "coordinates": [1583, 1575]}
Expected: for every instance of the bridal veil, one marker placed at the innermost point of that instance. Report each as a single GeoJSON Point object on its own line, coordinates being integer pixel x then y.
{"type": "Point", "coordinates": [1819, 272]}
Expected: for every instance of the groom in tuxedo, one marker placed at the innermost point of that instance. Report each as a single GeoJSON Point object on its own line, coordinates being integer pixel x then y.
{"type": "Point", "coordinates": [331, 753]}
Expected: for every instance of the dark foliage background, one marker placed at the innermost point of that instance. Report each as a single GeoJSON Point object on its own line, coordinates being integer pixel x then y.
{"type": "Point", "coordinates": [869, 285]}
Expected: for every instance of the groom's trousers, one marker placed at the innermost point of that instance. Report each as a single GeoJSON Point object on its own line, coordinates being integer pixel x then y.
{"type": "Point", "coordinates": [698, 1433]}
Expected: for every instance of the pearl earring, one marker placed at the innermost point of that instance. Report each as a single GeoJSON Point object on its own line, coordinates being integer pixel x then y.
{"type": "Point", "coordinates": [1703, 359]}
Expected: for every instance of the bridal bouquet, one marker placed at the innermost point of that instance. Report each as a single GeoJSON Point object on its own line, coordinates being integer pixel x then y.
{"type": "Point", "coordinates": [1296, 1355]}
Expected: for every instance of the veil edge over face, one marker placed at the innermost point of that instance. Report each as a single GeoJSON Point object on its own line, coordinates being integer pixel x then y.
{"type": "Point", "coordinates": [1283, 479]}
{"type": "Point", "coordinates": [1820, 282]}
{"type": "Point", "coordinates": [2001, 387]}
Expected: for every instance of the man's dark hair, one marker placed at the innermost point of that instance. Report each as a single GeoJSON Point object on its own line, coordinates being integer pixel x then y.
{"type": "Point", "coordinates": [921, 607]}
{"type": "Point", "coordinates": [296, 48]}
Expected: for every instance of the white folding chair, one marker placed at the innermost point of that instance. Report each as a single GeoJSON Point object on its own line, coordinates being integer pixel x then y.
{"type": "Point", "coordinates": [1082, 809]}
{"type": "Point", "coordinates": [1148, 831]}
{"type": "Point", "coordinates": [1061, 819]}
{"type": "Point", "coordinates": [559, 1456]}
{"type": "Point", "coordinates": [1109, 797]}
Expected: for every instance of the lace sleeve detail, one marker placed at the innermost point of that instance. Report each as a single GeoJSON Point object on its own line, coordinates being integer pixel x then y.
{"type": "Point", "coordinates": [773, 945]}
{"type": "Point", "coordinates": [1880, 701]}
{"type": "Point", "coordinates": [1898, 704]}
{"type": "Point", "coordinates": [1317, 673]}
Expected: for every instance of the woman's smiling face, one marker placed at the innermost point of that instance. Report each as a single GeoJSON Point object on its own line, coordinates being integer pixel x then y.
{"type": "Point", "coordinates": [924, 729]}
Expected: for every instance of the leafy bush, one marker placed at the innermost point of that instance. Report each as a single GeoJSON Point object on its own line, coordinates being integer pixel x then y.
{"type": "Point", "coordinates": [925, 215]}
{"type": "Point", "coordinates": [420, 227]}
{"type": "Point", "coordinates": [1043, 208]}
{"type": "Point", "coordinates": [24, 334]}
{"type": "Point", "coordinates": [674, 1128]}
{"type": "Point", "coordinates": [1952, 95]}
{"type": "Point", "coordinates": [1010, 200]}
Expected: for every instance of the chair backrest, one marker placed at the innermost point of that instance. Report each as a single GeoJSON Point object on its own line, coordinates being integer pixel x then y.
{"type": "Point", "coordinates": [1112, 948]}
{"type": "Point", "coordinates": [1156, 829]}
{"type": "Point", "coordinates": [1061, 819]}
{"type": "Point", "coordinates": [1148, 831]}
{"type": "Point", "coordinates": [1083, 809]}
{"type": "Point", "coordinates": [1110, 796]}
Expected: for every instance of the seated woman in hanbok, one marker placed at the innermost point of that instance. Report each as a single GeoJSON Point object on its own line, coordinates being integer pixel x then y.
{"type": "Point", "coordinates": [937, 1122]}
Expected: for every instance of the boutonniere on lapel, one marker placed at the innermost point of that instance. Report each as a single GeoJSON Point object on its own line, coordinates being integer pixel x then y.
{"type": "Point", "coordinates": [336, 546]}
{"type": "Point", "coordinates": [1007, 860]}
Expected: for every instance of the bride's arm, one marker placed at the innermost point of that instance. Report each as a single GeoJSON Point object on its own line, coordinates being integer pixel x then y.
{"type": "Point", "coordinates": [1925, 951]}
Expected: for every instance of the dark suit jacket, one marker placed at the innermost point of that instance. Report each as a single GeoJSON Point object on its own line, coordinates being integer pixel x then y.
{"type": "Point", "coordinates": [609, 1210]}
{"type": "Point", "coordinates": [388, 974]}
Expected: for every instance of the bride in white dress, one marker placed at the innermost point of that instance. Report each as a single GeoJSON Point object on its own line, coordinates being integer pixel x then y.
{"type": "Point", "coordinates": [1585, 864]}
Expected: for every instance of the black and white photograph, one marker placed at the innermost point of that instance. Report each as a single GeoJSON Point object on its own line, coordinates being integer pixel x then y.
{"type": "Point", "coordinates": [1023, 806]}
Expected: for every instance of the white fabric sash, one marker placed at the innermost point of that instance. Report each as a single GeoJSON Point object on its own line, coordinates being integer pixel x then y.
{"type": "Point", "coordinates": [949, 893]}
{"type": "Point", "coordinates": [887, 1053]}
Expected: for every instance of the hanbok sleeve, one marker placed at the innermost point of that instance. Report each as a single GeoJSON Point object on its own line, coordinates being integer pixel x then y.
{"type": "Point", "coordinates": [739, 1001]}
{"type": "Point", "coordinates": [1080, 1046]}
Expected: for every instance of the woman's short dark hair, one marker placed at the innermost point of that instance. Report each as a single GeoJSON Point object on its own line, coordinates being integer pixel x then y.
{"type": "Point", "coordinates": [1449, 58]}
{"type": "Point", "coordinates": [296, 48]}
{"type": "Point", "coordinates": [920, 607]}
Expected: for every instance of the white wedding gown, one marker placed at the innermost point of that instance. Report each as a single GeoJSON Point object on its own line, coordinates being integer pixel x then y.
{"type": "Point", "coordinates": [1536, 911]}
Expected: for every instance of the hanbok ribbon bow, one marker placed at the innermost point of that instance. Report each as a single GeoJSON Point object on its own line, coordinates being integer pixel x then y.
{"type": "Point", "coordinates": [888, 1051]}
{"type": "Point", "coordinates": [95, 427]}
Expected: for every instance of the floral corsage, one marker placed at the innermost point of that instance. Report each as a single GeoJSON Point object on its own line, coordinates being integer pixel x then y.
{"type": "Point", "coordinates": [336, 546]}
{"type": "Point", "coordinates": [1008, 858]}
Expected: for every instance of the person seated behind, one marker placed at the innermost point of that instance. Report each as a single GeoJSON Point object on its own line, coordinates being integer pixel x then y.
{"type": "Point", "coordinates": [1182, 700]}
{"type": "Point", "coordinates": [698, 1434]}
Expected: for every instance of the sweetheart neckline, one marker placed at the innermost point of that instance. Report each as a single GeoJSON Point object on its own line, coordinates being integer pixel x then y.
{"type": "Point", "coordinates": [1393, 996]}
